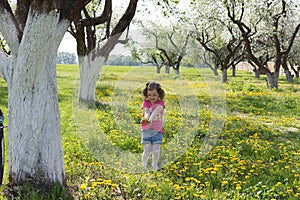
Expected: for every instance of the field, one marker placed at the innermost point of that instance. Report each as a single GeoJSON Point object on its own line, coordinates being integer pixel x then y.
{"type": "Point", "coordinates": [238, 140]}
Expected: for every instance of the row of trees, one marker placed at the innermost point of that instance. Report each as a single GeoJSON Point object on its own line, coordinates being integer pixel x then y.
{"type": "Point", "coordinates": [120, 60]}
{"type": "Point", "coordinates": [221, 34]}
{"type": "Point", "coordinates": [66, 58]}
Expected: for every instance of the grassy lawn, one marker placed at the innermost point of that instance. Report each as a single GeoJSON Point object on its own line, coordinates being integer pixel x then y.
{"type": "Point", "coordinates": [237, 140]}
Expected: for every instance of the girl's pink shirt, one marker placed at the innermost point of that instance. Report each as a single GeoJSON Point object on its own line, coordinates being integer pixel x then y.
{"type": "Point", "coordinates": [157, 123]}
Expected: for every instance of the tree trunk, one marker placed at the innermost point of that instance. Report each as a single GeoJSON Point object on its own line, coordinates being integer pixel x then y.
{"type": "Point", "coordinates": [158, 69]}
{"type": "Point", "coordinates": [233, 70]}
{"type": "Point", "coordinates": [288, 76]}
{"type": "Point", "coordinates": [256, 72]}
{"type": "Point", "coordinates": [89, 72]}
{"type": "Point", "coordinates": [272, 79]}
{"type": "Point", "coordinates": [215, 69]}
{"type": "Point", "coordinates": [167, 69]}
{"type": "Point", "coordinates": [224, 75]}
{"type": "Point", "coordinates": [35, 147]}
{"type": "Point", "coordinates": [176, 71]}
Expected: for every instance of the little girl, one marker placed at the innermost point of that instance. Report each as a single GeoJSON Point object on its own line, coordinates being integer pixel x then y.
{"type": "Point", "coordinates": [152, 123]}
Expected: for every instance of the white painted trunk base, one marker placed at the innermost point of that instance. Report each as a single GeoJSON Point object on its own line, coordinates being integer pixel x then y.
{"type": "Point", "coordinates": [34, 138]}
{"type": "Point", "coordinates": [89, 72]}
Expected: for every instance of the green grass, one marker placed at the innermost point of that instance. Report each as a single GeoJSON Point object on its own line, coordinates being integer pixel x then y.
{"type": "Point", "coordinates": [237, 140]}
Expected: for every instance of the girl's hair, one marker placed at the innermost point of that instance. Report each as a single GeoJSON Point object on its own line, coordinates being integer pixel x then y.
{"type": "Point", "coordinates": [152, 85]}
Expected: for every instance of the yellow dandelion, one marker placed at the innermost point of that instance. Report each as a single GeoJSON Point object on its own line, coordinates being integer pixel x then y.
{"type": "Point", "coordinates": [289, 191]}
{"type": "Point", "coordinates": [94, 184]}
{"type": "Point", "coordinates": [83, 186]}
{"type": "Point", "coordinates": [207, 184]}
{"type": "Point", "coordinates": [196, 195]}
{"type": "Point", "coordinates": [243, 167]}
{"type": "Point", "coordinates": [278, 184]}
{"type": "Point", "coordinates": [224, 183]}
{"type": "Point", "coordinates": [238, 187]}
{"type": "Point", "coordinates": [196, 180]}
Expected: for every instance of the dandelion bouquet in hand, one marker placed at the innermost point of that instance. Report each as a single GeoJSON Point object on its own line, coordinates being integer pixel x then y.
{"type": "Point", "coordinates": [145, 121]}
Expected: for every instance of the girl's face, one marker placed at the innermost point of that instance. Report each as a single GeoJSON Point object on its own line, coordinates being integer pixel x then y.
{"type": "Point", "coordinates": [152, 96]}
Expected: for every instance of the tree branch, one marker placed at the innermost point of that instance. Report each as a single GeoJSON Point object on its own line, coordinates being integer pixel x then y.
{"type": "Point", "coordinates": [105, 16]}
{"type": "Point", "coordinates": [9, 27]}
{"type": "Point", "coordinates": [119, 29]}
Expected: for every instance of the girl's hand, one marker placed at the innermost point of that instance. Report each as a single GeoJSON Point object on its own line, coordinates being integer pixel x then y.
{"type": "Point", "coordinates": [145, 121]}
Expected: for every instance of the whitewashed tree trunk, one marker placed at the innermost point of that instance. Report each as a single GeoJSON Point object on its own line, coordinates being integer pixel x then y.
{"type": "Point", "coordinates": [89, 72]}
{"type": "Point", "coordinates": [35, 146]}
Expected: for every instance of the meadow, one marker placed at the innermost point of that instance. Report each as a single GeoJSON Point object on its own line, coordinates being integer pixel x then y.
{"type": "Point", "coordinates": [238, 140]}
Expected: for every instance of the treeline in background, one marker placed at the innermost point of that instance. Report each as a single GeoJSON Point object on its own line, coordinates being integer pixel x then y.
{"type": "Point", "coordinates": [116, 60]}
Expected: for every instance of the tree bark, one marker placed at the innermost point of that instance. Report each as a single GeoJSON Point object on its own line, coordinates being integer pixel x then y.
{"type": "Point", "coordinates": [158, 69]}
{"type": "Point", "coordinates": [233, 70]}
{"type": "Point", "coordinates": [272, 79]}
{"type": "Point", "coordinates": [33, 32]}
{"type": "Point", "coordinates": [289, 77]}
{"type": "Point", "coordinates": [35, 146]}
{"type": "Point", "coordinates": [89, 72]}
{"type": "Point", "coordinates": [215, 69]}
{"type": "Point", "coordinates": [224, 75]}
{"type": "Point", "coordinates": [288, 74]}
{"type": "Point", "coordinates": [256, 72]}
{"type": "Point", "coordinates": [167, 69]}
{"type": "Point", "coordinates": [176, 71]}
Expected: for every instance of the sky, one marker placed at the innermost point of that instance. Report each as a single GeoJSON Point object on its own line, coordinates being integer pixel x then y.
{"type": "Point", "coordinates": [68, 44]}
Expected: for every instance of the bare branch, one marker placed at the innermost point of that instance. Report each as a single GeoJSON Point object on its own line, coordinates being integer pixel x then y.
{"type": "Point", "coordinates": [105, 16]}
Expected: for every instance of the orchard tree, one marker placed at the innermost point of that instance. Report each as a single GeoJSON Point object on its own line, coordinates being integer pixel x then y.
{"type": "Point", "coordinates": [270, 18]}
{"type": "Point", "coordinates": [167, 46]}
{"type": "Point", "coordinates": [166, 36]}
{"type": "Point", "coordinates": [148, 56]}
{"type": "Point", "coordinates": [216, 34]}
{"type": "Point", "coordinates": [33, 32]}
{"type": "Point", "coordinates": [226, 51]}
{"type": "Point", "coordinates": [285, 29]}
{"type": "Point", "coordinates": [96, 36]}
